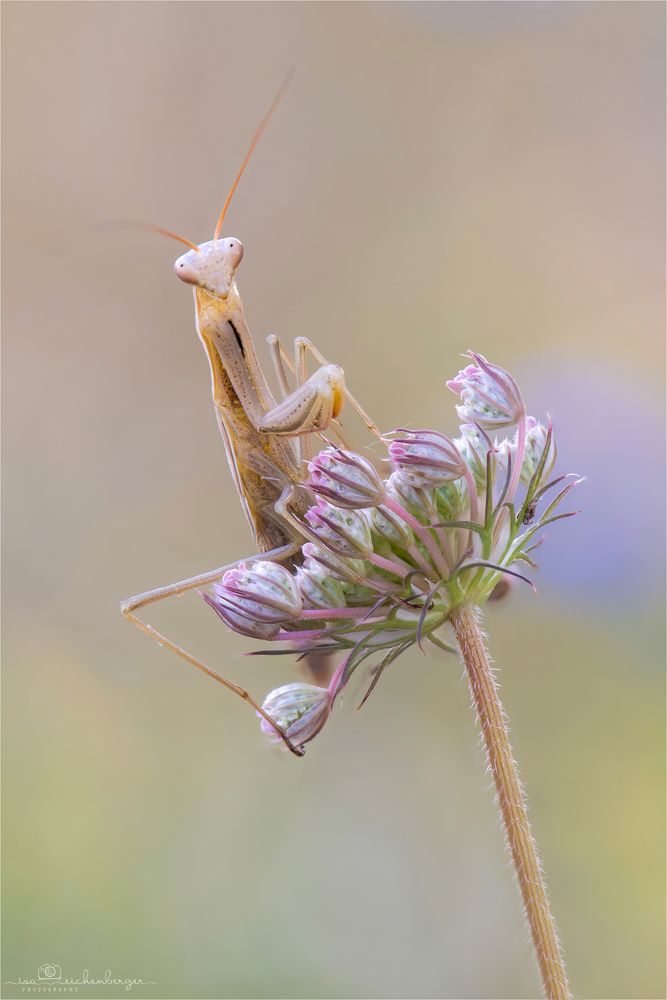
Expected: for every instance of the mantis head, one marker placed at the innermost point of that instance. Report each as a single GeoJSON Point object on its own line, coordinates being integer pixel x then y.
{"type": "Point", "coordinates": [211, 265]}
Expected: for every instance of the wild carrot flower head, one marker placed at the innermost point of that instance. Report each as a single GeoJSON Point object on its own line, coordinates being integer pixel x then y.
{"type": "Point", "coordinates": [384, 561]}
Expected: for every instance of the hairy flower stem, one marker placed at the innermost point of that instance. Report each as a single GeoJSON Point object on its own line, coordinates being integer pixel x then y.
{"type": "Point", "coordinates": [465, 622]}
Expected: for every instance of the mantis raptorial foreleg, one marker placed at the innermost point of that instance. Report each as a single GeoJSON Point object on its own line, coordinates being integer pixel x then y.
{"type": "Point", "coordinates": [281, 359]}
{"type": "Point", "coordinates": [312, 407]}
{"type": "Point", "coordinates": [133, 604]}
{"type": "Point", "coordinates": [303, 347]}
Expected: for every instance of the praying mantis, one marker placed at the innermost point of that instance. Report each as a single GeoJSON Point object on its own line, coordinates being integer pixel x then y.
{"type": "Point", "coordinates": [267, 441]}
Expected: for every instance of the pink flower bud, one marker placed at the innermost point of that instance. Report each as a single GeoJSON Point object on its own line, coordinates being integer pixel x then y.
{"type": "Point", "coordinates": [426, 459]}
{"type": "Point", "coordinates": [345, 532]}
{"type": "Point", "coordinates": [473, 448]}
{"type": "Point", "coordinates": [407, 495]}
{"type": "Point", "coordinates": [345, 479]}
{"type": "Point", "coordinates": [330, 565]}
{"type": "Point", "coordinates": [318, 588]}
{"type": "Point", "coordinates": [263, 592]}
{"type": "Point", "coordinates": [239, 623]}
{"type": "Point", "coordinates": [299, 709]}
{"type": "Point", "coordinates": [536, 442]}
{"type": "Point", "coordinates": [391, 527]}
{"type": "Point", "coordinates": [489, 395]}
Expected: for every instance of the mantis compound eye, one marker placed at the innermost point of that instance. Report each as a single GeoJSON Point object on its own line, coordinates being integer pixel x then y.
{"type": "Point", "coordinates": [233, 250]}
{"type": "Point", "coordinates": [186, 268]}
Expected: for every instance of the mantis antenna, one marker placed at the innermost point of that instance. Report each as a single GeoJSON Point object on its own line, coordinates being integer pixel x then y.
{"type": "Point", "coordinates": [251, 149]}
{"type": "Point", "coordinates": [167, 232]}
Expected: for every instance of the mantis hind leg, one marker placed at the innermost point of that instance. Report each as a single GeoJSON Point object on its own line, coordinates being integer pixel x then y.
{"type": "Point", "coordinates": [134, 604]}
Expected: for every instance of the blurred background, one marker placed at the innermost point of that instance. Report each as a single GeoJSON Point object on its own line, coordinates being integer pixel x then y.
{"type": "Point", "coordinates": [440, 176]}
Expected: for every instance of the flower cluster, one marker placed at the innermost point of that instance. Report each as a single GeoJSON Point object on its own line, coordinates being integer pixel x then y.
{"type": "Point", "coordinates": [385, 561]}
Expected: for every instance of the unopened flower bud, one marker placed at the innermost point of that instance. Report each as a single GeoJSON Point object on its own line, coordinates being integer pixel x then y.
{"type": "Point", "coordinates": [489, 395]}
{"type": "Point", "coordinates": [262, 591]}
{"type": "Point", "coordinates": [403, 492]}
{"type": "Point", "coordinates": [239, 623]}
{"type": "Point", "coordinates": [503, 450]}
{"type": "Point", "coordinates": [299, 709]}
{"type": "Point", "coordinates": [536, 442]}
{"type": "Point", "coordinates": [427, 459]}
{"type": "Point", "coordinates": [451, 500]}
{"type": "Point", "coordinates": [345, 532]}
{"type": "Point", "coordinates": [473, 448]}
{"type": "Point", "coordinates": [331, 565]}
{"type": "Point", "coordinates": [345, 479]}
{"type": "Point", "coordinates": [318, 588]}
{"type": "Point", "coordinates": [391, 527]}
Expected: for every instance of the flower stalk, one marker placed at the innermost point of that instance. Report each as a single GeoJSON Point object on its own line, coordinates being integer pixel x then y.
{"type": "Point", "coordinates": [512, 802]}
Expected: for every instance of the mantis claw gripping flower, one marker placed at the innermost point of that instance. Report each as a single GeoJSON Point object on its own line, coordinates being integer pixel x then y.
{"type": "Point", "coordinates": [385, 564]}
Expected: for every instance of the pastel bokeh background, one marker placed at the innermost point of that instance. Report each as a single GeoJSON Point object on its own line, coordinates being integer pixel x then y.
{"type": "Point", "coordinates": [441, 175]}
